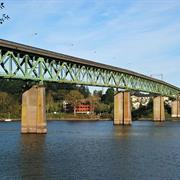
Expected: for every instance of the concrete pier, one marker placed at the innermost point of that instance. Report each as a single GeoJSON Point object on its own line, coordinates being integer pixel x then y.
{"type": "Point", "coordinates": [158, 108]}
{"type": "Point", "coordinates": [33, 119]}
{"type": "Point", "coordinates": [122, 108]}
{"type": "Point", "coordinates": [175, 111]}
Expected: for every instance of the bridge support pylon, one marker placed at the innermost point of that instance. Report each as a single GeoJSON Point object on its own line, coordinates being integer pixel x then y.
{"type": "Point", "coordinates": [33, 117]}
{"type": "Point", "coordinates": [175, 111]}
{"type": "Point", "coordinates": [158, 109]}
{"type": "Point", "coordinates": [122, 108]}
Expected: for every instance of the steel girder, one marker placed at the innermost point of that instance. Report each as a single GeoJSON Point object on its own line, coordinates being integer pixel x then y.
{"type": "Point", "coordinates": [19, 65]}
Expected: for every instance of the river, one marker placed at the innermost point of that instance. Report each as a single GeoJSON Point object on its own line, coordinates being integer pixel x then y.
{"type": "Point", "coordinates": [91, 151]}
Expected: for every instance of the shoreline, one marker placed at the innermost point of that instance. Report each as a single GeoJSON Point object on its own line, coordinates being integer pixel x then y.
{"type": "Point", "coordinates": [63, 119]}
{"type": "Point", "coordinates": [85, 119]}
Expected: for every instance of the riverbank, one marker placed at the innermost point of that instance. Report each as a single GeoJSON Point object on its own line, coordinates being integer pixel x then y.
{"type": "Point", "coordinates": [85, 117]}
{"type": "Point", "coordinates": [75, 119]}
{"type": "Point", "coordinates": [81, 117]}
{"type": "Point", "coordinates": [67, 117]}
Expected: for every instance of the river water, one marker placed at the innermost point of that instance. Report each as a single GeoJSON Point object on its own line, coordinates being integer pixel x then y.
{"type": "Point", "coordinates": [91, 151]}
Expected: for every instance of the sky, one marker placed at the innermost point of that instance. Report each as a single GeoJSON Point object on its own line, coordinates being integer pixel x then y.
{"type": "Point", "coordinates": [139, 35]}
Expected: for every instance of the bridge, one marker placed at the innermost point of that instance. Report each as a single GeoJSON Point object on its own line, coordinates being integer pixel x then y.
{"type": "Point", "coordinates": [18, 61]}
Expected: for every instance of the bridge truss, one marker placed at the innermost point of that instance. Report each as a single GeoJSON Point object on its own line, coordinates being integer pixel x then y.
{"type": "Point", "coordinates": [19, 61]}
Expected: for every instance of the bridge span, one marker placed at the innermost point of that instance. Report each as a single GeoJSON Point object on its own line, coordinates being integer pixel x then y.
{"type": "Point", "coordinates": [18, 61]}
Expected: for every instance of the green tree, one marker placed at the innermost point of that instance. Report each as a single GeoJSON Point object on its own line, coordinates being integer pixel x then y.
{"type": "Point", "coordinates": [143, 111]}
{"type": "Point", "coordinates": [74, 97]}
{"type": "Point", "coordinates": [49, 102]}
{"type": "Point", "coordinates": [84, 90]}
{"type": "Point", "coordinates": [101, 108]}
{"type": "Point", "coordinates": [108, 97]}
{"type": "Point", "coordinates": [98, 93]}
{"type": "Point", "coordinates": [60, 95]}
{"type": "Point", "coordinates": [9, 104]}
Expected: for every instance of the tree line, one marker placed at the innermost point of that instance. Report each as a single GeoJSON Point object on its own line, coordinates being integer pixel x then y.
{"type": "Point", "coordinates": [11, 97]}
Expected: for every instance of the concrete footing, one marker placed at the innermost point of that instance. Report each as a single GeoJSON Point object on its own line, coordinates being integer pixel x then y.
{"type": "Point", "coordinates": [158, 108]}
{"type": "Point", "coordinates": [33, 119]}
{"type": "Point", "coordinates": [122, 108]}
{"type": "Point", "coordinates": [175, 111]}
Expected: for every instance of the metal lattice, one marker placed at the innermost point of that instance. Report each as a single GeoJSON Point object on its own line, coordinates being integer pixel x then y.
{"type": "Point", "coordinates": [28, 66]}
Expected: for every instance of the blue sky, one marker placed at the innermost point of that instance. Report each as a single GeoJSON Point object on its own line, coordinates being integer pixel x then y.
{"type": "Point", "coordinates": [142, 35]}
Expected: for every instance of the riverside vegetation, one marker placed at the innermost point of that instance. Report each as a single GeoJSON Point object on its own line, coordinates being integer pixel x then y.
{"type": "Point", "coordinates": [11, 94]}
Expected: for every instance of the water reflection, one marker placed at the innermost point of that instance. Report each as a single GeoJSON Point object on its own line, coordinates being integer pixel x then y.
{"type": "Point", "coordinates": [120, 131]}
{"type": "Point", "coordinates": [32, 155]}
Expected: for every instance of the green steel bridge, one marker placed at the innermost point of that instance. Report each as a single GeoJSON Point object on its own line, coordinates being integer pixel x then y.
{"type": "Point", "coordinates": [18, 61]}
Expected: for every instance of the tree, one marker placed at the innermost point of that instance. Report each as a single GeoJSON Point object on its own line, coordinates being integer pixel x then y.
{"type": "Point", "coordinates": [108, 97]}
{"type": "Point", "coordinates": [4, 101]}
{"type": "Point", "coordinates": [49, 102]}
{"type": "Point", "coordinates": [4, 16]}
{"type": "Point", "coordinates": [74, 97]}
{"type": "Point", "coordinates": [13, 86]}
{"type": "Point", "coordinates": [143, 111]}
{"type": "Point", "coordinates": [9, 104]}
{"type": "Point", "coordinates": [60, 95]}
{"type": "Point", "coordinates": [101, 108]}
{"type": "Point", "coordinates": [84, 90]}
{"type": "Point", "coordinates": [98, 93]}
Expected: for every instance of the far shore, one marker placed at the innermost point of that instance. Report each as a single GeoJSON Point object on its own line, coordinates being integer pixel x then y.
{"type": "Point", "coordinates": [63, 119]}
{"type": "Point", "coordinates": [85, 119]}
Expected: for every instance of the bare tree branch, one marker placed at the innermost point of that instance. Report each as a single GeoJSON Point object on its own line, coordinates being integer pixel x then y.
{"type": "Point", "coordinates": [2, 5]}
{"type": "Point", "coordinates": [4, 16]}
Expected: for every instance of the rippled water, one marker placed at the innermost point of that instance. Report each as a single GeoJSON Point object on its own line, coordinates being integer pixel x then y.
{"type": "Point", "coordinates": [91, 150]}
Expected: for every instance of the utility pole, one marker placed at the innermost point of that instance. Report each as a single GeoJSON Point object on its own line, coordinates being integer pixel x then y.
{"type": "Point", "coordinates": [157, 75]}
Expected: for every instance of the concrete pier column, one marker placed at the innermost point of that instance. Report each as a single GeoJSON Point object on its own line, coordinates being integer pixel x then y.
{"type": "Point", "coordinates": [158, 108]}
{"type": "Point", "coordinates": [175, 111]}
{"type": "Point", "coordinates": [122, 108]}
{"type": "Point", "coordinates": [118, 108]}
{"type": "Point", "coordinates": [33, 119]}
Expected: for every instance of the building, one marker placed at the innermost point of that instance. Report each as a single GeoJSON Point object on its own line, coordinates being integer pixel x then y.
{"type": "Point", "coordinates": [137, 101]}
{"type": "Point", "coordinates": [84, 108]}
